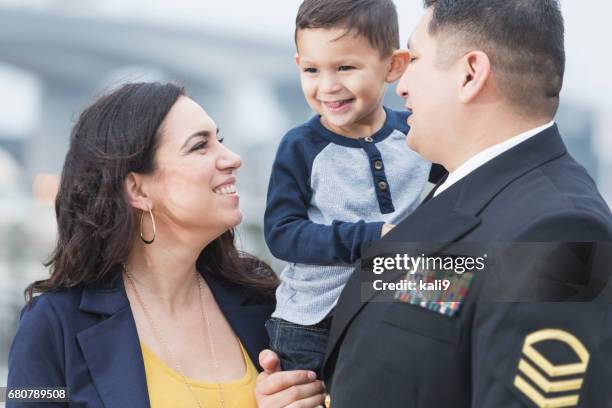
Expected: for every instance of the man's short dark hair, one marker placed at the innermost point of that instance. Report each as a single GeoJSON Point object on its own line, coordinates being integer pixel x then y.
{"type": "Point", "coordinates": [524, 40]}
{"type": "Point", "coordinates": [376, 20]}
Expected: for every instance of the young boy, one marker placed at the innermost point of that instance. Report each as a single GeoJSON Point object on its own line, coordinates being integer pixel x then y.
{"type": "Point", "coordinates": [341, 180]}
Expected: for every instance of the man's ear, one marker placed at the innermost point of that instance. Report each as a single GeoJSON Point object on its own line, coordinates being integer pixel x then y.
{"type": "Point", "coordinates": [296, 57]}
{"type": "Point", "coordinates": [136, 196]}
{"type": "Point", "coordinates": [399, 62]}
{"type": "Point", "coordinates": [476, 71]}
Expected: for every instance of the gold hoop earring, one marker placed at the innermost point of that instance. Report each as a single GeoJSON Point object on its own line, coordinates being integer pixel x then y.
{"type": "Point", "coordinates": [154, 229]}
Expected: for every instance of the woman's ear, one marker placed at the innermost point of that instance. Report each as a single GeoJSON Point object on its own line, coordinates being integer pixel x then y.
{"type": "Point", "coordinates": [399, 62]}
{"type": "Point", "coordinates": [136, 196]}
{"type": "Point", "coordinates": [475, 70]}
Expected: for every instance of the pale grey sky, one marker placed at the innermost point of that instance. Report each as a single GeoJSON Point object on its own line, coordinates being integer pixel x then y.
{"type": "Point", "coordinates": [588, 28]}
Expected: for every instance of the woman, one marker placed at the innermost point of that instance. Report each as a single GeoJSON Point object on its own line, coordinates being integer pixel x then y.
{"type": "Point", "coordinates": [148, 303]}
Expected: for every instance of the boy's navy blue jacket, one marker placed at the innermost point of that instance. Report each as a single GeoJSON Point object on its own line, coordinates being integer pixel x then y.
{"type": "Point", "coordinates": [85, 339]}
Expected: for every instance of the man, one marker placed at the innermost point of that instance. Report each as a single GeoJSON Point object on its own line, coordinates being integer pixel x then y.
{"type": "Point", "coordinates": [483, 87]}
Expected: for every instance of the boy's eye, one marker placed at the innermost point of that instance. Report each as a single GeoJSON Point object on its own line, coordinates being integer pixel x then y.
{"type": "Point", "coordinates": [310, 70]}
{"type": "Point", "coordinates": [221, 139]}
{"type": "Point", "coordinates": [412, 59]}
{"type": "Point", "coordinates": [345, 68]}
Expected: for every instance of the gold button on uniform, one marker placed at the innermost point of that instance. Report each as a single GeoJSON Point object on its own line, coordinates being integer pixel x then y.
{"type": "Point", "coordinates": [378, 165]}
{"type": "Point", "coordinates": [327, 401]}
{"type": "Point", "coordinates": [382, 185]}
{"type": "Point", "coordinates": [368, 139]}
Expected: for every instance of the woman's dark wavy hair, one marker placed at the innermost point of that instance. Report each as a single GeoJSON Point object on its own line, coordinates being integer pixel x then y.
{"type": "Point", "coordinates": [118, 134]}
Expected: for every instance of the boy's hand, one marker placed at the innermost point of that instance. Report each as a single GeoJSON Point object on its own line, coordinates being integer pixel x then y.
{"type": "Point", "coordinates": [295, 389]}
{"type": "Point", "coordinates": [385, 229]}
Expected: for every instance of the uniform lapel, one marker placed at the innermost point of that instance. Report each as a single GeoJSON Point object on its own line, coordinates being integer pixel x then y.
{"type": "Point", "coordinates": [434, 222]}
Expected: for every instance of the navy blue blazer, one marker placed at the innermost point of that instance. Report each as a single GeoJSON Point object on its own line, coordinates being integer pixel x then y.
{"type": "Point", "coordinates": [85, 339]}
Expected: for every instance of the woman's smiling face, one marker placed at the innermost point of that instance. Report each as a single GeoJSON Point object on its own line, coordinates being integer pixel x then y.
{"type": "Point", "coordinates": [194, 183]}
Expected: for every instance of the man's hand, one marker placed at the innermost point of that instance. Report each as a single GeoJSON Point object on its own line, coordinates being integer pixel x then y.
{"type": "Point", "coordinates": [385, 229]}
{"type": "Point", "coordinates": [294, 389]}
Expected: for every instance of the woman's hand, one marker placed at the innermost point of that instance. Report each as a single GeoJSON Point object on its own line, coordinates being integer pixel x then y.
{"type": "Point", "coordinates": [293, 389]}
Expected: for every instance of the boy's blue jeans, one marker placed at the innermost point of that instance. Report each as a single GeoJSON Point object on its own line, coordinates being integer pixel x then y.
{"type": "Point", "coordinates": [299, 347]}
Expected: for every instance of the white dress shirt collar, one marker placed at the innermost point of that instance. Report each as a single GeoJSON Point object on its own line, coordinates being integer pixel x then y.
{"type": "Point", "coordinates": [488, 154]}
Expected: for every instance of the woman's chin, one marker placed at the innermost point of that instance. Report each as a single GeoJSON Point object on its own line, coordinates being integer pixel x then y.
{"type": "Point", "coordinates": [238, 219]}
{"type": "Point", "coordinates": [233, 220]}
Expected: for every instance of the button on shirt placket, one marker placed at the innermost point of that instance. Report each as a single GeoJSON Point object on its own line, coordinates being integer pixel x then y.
{"type": "Point", "coordinates": [381, 185]}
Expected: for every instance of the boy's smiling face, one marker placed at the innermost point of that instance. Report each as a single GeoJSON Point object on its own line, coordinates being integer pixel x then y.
{"type": "Point", "coordinates": [343, 78]}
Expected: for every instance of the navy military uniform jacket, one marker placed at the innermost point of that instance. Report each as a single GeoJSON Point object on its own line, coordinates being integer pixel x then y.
{"type": "Point", "coordinates": [85, 339]}
{"type": "Point", "coordinates": [397, 354]}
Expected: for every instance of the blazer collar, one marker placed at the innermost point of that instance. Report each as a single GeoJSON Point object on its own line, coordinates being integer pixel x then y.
{"type": "Point", "coordinates": [105, 299]}
{"type": "Point", "coordinates": [112, 349]}
{"type": "Point", "coordinates": [454, 213]}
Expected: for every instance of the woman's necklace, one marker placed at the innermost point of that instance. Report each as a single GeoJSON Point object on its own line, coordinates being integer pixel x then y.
{"type": "Point", "coordinates": [158, 335]}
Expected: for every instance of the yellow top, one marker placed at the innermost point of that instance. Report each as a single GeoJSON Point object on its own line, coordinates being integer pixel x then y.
{"type": "Point", "coordinates": [167, 389]}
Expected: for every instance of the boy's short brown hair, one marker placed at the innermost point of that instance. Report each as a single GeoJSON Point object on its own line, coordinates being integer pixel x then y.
{"type": "Point", "coordinates": [376, 20]}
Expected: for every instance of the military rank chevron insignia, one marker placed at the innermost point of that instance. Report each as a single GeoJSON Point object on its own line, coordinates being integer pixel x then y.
{"type": "Point", "coordinates": [537, 376]}
{"type": "Point", "coordinates": [427, 290]}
